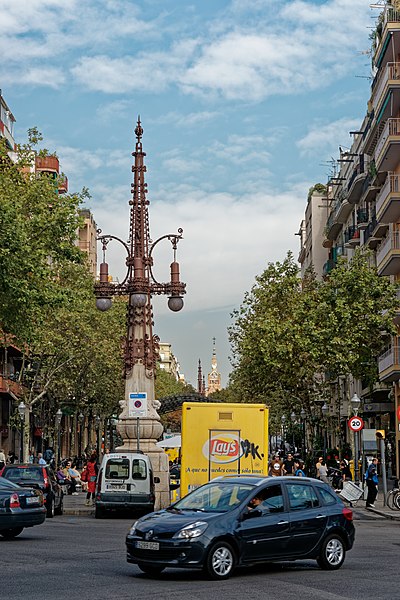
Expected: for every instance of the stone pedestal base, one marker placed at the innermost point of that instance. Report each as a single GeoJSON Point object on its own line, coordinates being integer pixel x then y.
{"type": "Point", "coordinates": [149, 432]}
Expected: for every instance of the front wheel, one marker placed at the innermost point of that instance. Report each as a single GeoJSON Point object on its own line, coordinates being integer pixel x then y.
{"type": "Point", "coordinates": [220, 561]}
{"type": "Point", "coordinates": [332, 553]}
{"type": "Point", "coordinates": [151, 569]}
{"type": "Point", "coordinates": [9, 534]}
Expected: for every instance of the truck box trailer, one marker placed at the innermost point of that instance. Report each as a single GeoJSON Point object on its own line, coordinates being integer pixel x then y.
{"type": "Point", "coordinates": [222, 439]}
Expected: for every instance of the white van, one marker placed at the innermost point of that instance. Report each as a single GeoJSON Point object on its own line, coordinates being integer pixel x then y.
{"type": "Point", "coordinates": [125, 481]}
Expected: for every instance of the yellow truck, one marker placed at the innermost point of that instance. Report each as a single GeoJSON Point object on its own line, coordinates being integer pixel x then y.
{"type": "Point", "coordinates": [222, 439]}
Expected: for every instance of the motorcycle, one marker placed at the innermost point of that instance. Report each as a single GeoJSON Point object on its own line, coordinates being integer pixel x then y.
{"type": "Point", "coordinates": [335, 477]}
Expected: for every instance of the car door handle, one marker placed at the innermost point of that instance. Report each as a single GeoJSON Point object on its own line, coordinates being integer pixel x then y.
{"type": "Point", "coordinates": [283, 523]}
{"type": "Point", "coordinates": [320, 516]}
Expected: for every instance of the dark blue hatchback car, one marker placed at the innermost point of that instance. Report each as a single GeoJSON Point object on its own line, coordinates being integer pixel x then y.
{"type": "Point", "coordinates": [242, 520]}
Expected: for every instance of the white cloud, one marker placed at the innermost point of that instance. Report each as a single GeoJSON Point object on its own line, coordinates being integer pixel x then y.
{"type": "Point", "coordinates": [324, 139]}
{"type": "Point", "coordinates": [37, 76]}
{"type": "Point", "coordinates": [228, 239]}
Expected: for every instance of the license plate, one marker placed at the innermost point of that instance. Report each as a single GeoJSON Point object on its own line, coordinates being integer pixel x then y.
{"type": "Point", "coordinates": [148, 545]}
{"type": "Point", "coordinates": [32, 500]}
{"type": "Point", "coordinates": [116, 486]}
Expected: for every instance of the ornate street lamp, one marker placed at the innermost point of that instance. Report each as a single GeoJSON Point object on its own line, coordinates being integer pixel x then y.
{"type": "Point", "coordinates": [58, 423]}
{"type": "Point", "coordinates": [325, 412]}
{"type": "Point", "coordinates": [98, 421]}
{"type": "Point", "coordinates": [81, 418]}
{"type": "Point", "coordinates": [355, 405]}
{"type": "Point", "coordinates": [139, 418]}
{"type": "Point", "coordinates": [283, 421]}
{"type": "Point", "coordinates": [303, 416]}
{"type": "Point", "coordinates": [21, 410]}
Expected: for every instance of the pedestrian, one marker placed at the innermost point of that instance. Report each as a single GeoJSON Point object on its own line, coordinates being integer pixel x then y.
{"type": "Point", "coordinates": [323, 472]}
{"type": "Point", "coordinates": [92, 470]}
{"type": "Point", "coordinates": [12, 458]}
{"type": "Point", "coordinates": [298, 469]}
{"type": "Point", "coordinates": [317, 466]}
{"type": "Point", "coordinates": [2, 459]}
{"type": "Point", "coordinates": [288, 464]}
{"type": "Point", "coordinates": [346, 473]}
{"type": "Point", "coordinates": [371, 478]}
{"type": "Point", "coordinates": [276, 467]}
{"type": "Point", "coordinates": [41, 460]}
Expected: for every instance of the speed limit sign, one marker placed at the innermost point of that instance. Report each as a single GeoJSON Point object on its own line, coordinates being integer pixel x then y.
{"type": "Point", "coordinates": [355, 423]}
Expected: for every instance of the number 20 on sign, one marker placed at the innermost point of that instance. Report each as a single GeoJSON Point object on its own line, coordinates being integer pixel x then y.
{"type": "Point", "coordinates": [355, 423]}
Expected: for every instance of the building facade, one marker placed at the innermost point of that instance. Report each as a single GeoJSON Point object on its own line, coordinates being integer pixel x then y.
{"type": "Point", "coordinates": [363, 210]}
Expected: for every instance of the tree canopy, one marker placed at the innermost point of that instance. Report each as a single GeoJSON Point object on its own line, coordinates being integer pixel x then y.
{"type": "Point", "coordinates": [290, 335]}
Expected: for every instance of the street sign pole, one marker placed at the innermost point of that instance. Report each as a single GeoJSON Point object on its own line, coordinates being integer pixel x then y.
{"type": "Point", "coordinates": [356, 466]}
{"type": "Point", "coordinates": [356, 423]}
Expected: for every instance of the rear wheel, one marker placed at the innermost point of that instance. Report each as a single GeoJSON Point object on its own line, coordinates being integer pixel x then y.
{"type": "Point", "coordinates": [8, 534]}
{"type": "Point", "coordinates": [390, 496]}
{"type": "Point", "coordinates": [50, 508]}
{"type": "Point", "coordinates": [220, 561]}
{"type": "Point", "coordinates": [332, 553]}
{"type": "Point", "coordinates": [151, 569]}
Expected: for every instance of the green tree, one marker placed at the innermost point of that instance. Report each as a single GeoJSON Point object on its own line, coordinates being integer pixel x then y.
{"type": "Point", "coordinates": [288, 333]}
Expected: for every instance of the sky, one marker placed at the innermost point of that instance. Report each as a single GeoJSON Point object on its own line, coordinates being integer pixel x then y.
{"type": "Point", "coordinates": [244, 104]}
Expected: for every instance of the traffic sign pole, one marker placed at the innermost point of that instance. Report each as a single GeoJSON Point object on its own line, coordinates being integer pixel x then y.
{"type": "Point", "coordinates": [356, 423]}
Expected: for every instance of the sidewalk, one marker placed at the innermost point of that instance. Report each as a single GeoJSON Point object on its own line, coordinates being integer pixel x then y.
{"type": "Point", "coordinates": [380, 510]}
{"type": "Point", "coordinates": [75, 505]}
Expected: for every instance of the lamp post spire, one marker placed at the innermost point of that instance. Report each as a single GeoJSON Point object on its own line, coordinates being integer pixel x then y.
{"type": "Point", "coordinates": [141, 347]}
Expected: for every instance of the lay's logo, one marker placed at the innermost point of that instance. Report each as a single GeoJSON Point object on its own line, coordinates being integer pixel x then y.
{"type": "Point", "coordinates": [223, 447]}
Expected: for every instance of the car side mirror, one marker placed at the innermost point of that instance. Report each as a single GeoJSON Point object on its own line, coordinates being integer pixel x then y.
{"type": "Point", "coordinates": [252, 514]}
{"type": "Point", "coordinates": [157, 480]}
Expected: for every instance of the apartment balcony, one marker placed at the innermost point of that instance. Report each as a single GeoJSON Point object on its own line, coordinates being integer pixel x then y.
{"type": "Point", "coordinates": [388, 254]}
{"type": "Point", "coordinates": [388, 200]}
{"type": "Point", "coordinates": [389, 363]}
{"type": "Point", "coordinates": [351, 237]}
{"type": "Point", "coordinates": [356, 182]}
{"type": "Point", "coordinates": [388, 147]}
{"type": "Point", "coordinates": [387, 82]}
{"type": "Point", "coordinates": [343, 210]}
{"type": "Point", "coordinates": [47, 164]}
{"type": "Point", "coordinates": [362, 218]}
{"type": "Point", "coordinates": [63, 184]}
{"type": "Point", "coordinates": [332, 226]}
{"type": "Point", "coordinates": [8, 386]}
{"type": "Point", "coordinates": [374, 232]}
{"type": "Point", "coordinates": [388, 43]}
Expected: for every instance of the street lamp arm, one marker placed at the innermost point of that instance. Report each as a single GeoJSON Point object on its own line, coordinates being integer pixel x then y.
{"type": "Point", "coordinates": [105, 240]}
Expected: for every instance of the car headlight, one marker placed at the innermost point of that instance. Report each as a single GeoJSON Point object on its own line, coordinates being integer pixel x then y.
{"type": "Point", "coordinates": [192, 531]}
{"type": "Point", "coordinates": [132, 530]}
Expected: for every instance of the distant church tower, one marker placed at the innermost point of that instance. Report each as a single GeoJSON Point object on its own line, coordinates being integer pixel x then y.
{"type": "Point", "coordinates": [214, 378]}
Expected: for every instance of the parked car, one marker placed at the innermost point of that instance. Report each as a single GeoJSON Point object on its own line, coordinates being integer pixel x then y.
{"type": "Point", "coordinates": [19, 508]}
{"type": "Point", "coordinates": [41, 477]}
{"type": "Point", "coordinates": [218, 526]}
{"type": "Point", "coordinates": [125, 481]}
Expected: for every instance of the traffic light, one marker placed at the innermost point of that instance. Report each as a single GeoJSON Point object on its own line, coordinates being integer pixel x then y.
{"type": "Point", "coordinates": [380, 434]}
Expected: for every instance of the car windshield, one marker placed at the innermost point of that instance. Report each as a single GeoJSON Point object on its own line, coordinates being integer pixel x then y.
{"type": "Point", "coordinates": [24, 473]}
{"type": "Point", "coordinates": [215, 497]}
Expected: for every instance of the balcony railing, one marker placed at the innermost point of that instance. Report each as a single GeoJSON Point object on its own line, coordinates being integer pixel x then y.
{"type": "Point", "coordinates": [47, 163]}
{"type": "Point", "coordinates": [392, 242]}
{"type": "Point", "coordinates": [392, 127]}
{"type": "Point", "coordinates": [389, 73]}
{"type": "Point", "coordinates": [391, 185]}
{"type": "Point", "coordinates": [389, 358]}
{"type": "Point", "coordinates": [362, 215]}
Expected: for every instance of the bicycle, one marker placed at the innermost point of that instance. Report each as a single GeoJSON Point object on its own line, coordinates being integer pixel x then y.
{"type": "Point", "coordinates": [393, 497]}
